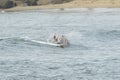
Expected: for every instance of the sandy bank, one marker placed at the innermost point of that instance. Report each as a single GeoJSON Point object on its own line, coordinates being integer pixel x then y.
{"type": "Point", "coordinates": [72, 4]}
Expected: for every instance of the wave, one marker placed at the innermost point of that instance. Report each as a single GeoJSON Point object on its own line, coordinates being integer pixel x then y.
{"type": "Point", "coordinates": [74, 37]}
{"type": "Point", "coordinates": [108, 35]}
{"type": "Point", "coordinates": [13, 40]}
{"type": "Point", "coordinates": [26, 42]}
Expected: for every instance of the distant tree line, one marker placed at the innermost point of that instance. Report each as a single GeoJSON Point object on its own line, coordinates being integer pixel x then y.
{"type": "Point", "coordinates": [30, 2]}
{"type": "Point", "coordinates": [6, 4]}
{"type": "Point", "coordinates": [12, 3]}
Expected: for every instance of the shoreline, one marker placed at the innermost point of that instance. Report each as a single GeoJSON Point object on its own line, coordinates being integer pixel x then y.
{"type": "Point", "coordinates": [19, 9]}
{"type": "Point", "coordinates": [69, 5]}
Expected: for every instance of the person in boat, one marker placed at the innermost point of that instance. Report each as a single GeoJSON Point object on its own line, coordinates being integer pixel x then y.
{"type": "Point", "coordinates": [63, 40]}
{"type": "Point", "coordinates": [60, 40]}
{"type": "Point", "coordinates": [55, 38]}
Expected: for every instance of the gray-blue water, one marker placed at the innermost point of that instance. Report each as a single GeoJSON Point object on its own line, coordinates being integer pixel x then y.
{"type": "Point", "coordinates": [94, 53]}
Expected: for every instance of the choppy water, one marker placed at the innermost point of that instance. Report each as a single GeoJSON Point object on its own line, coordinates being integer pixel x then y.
{"type": "Point", "coordinates": [94, 53]}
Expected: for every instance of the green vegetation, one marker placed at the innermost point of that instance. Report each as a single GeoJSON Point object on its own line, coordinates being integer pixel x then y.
{"type": "Point", "coordinates": [6, 4]}
{"type": "Point", "coordinates": [31, 2]}
{"type": "Point", "coordinates": [43, 2]}
{"type": "Point", "coordinates": [12, 3]}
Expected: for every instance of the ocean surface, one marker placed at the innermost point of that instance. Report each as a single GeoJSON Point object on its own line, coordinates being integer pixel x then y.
{"type": "Point", "coordinates": [93, 54]}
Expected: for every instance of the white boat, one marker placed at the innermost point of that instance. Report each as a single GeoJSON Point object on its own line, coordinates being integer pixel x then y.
{"type": "Point", "coordinates": [48, 43]}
